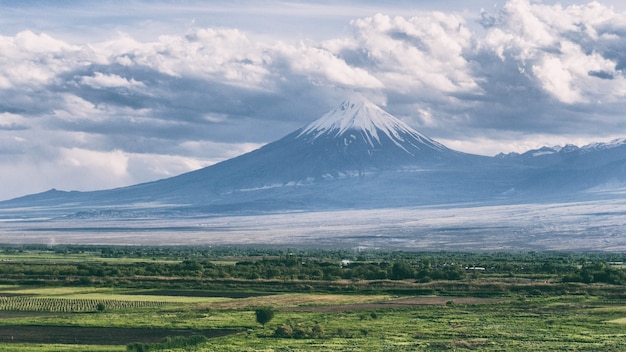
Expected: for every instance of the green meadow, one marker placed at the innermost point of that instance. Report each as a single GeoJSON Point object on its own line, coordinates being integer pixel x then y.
{"type": "Point", "coordinates": [190, 299]}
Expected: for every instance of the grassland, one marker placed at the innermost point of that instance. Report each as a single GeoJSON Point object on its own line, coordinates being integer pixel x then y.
{"type": "Point", "coordinates": [69, 306]}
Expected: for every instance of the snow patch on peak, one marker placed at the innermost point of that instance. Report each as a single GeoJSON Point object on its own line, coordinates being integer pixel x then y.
{"type": "Point", "coordinates": [545, 151]}
{"type": "Point", "coordinates": [610, 145]}
{"type": "Point", "coordinates": [360, 114]}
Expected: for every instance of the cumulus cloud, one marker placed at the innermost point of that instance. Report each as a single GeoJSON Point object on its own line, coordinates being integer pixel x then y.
{"type": "Point", "coordinates": [32, 60]}
{"type": "Point", "coordinates": [322, 66]}
{"type": "Point", "coordinates": [133, 107]}
{"type": "Point", "coordinates": [569, 52]}
{"type": "Point", "coordinates": [419, 54]}
{"type": "Point", "coordinates": [100, 80]}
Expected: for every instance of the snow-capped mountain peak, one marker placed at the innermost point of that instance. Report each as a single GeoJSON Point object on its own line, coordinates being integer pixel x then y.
{"type": "Point", "coordinates": [355, 156]}
{"type": "Point", "coordinates": [361, 115]}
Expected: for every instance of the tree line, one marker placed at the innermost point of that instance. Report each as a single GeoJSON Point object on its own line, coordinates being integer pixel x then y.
{"type": "Point", "coordinates": [305, 264]}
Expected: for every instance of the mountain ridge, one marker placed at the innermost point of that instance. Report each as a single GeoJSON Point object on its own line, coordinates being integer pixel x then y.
{"type": "Point", "coordinates": [356, 156]}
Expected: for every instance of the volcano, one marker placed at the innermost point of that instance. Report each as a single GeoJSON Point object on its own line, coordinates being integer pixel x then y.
{"type": "Point", "coordinates": [355, 156]}
{"type": "Point", "coordinates": [356, 147]}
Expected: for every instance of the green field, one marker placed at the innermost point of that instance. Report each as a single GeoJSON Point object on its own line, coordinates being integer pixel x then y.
{"type": "Point", "coordinates": [85, 299]}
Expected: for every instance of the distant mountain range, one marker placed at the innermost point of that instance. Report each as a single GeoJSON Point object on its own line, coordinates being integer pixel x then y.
{"type": "Point", "coordinates": [356, 156]}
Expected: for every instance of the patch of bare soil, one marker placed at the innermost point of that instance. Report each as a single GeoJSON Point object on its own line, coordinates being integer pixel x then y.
{"type": "Point", "coordinates": [398, 303]}
{"type": "Point", "coordinates": [95, 335]}
{"type": "Point", "coordinates": [189, 293]}
{"type": "Point", "coordinates": [7, 314]}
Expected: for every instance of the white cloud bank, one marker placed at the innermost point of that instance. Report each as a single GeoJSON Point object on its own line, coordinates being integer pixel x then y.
{"type": "Point", "coordinates": [568, 51]}
{"type": "Point", "coordinates": [126, 109]}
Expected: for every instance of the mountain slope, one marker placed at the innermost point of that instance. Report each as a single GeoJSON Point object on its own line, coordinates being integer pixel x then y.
{"type": "Point", "coordinates": [353, 141]}
{"type": "Point", "coordinates": [355, 156]}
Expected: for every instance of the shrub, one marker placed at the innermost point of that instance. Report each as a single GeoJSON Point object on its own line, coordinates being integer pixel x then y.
{"type": "Point", "coordinates": [317, 331]}
{"type": "Point", "coordinates": [168, 343]}
{"type": "Point", "coordinates": [284, 330]}
{"type": "Point", "coordinates": [341, 332]}
{"type": "Point", "coordinates": [299, 331]}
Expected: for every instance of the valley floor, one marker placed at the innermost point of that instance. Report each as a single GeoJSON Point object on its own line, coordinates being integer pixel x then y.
{"type": "Point", "coordinates": [596, 225]}
{"type": "Point", "coordinates": [121, 298]}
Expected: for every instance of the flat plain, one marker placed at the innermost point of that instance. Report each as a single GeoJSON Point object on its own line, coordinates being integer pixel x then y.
{"type": "Point", "coordinates": [596, 225]}
{"type": "Point", "coordinates": [133, 298]}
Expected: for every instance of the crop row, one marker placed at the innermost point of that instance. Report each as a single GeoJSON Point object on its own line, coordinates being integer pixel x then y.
{"type": "Point", "coordinates": [46, 304]}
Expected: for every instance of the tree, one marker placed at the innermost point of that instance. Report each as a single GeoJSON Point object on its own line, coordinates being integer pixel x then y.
{"type": "Point", "coordinates": [401, 271]}
{"type": "Point", "coordinates": [264, 315]}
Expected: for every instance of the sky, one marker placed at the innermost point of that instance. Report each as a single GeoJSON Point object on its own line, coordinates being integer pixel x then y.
{"type": "Point", "coordinates": [104, 94]}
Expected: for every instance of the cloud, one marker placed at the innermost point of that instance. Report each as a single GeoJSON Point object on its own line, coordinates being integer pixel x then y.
{"type": "Point", "coordinates": [211, 54]}
{"type": "Point", "coordinates": [137, 104]}
{"type": "Point", "coordinates": [100, 80]}
{"type": "Point", "coordinates": [114, 163]}
{"type": "Point", "coordinates": [11, 122]}
{"type": "Point", "coordinates": [421, 54]}
{"type": "Point", "coordinates": [32, 60]}
{"type": "Point", "coordinates": [322, 66]}
{"type": "Point", "coordinates": [569, 52]}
